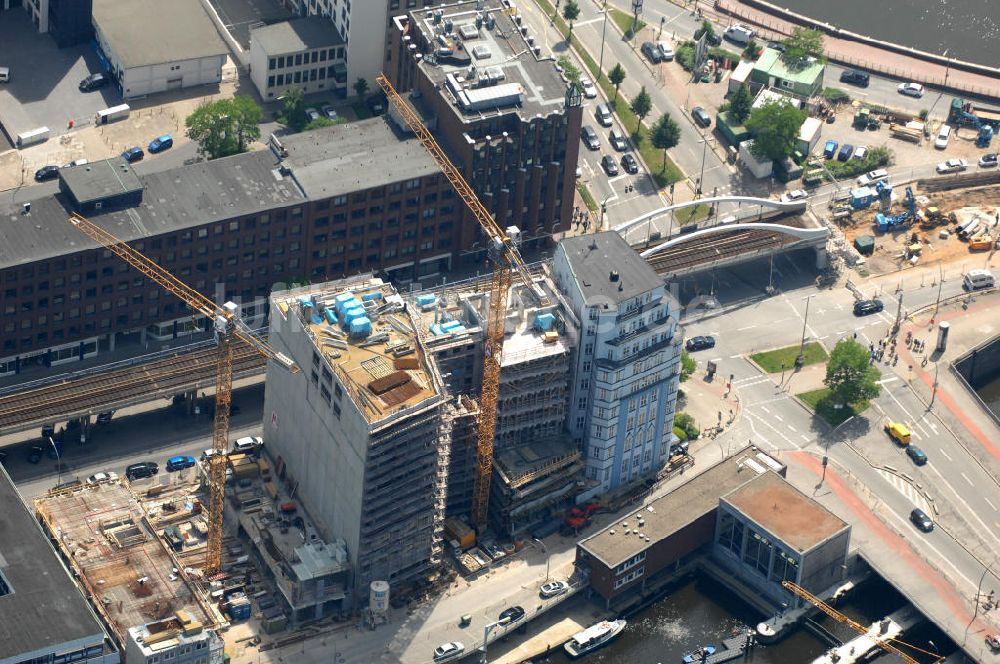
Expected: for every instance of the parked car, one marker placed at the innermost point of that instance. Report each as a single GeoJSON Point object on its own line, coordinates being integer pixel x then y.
{"type": "Point", "coordinates": [830, 149]}
{"type": "Point", "coordinates": [105, 417]}
{"type": "Point", "coordinates": [102, 477]}
{"type": "Point", "coordinates": [701, 117]}
{"type": "Point", "coordinates": [46, 173]}
{"type": "Point", "coordinates": [871, 177]}
{"type": "Point", "coordinates": [618, 140]}
{"type": "Point", "coordinates": [377, 103]}
{"type": "Point", "coordinates": [94, 82]}
{"type": "Point", "coordinates": [512, 615]}
{"type": "Point", "coordinates": [868, 307]}
{"type": "Point", "coordinates": [911, 89]}
{"type": "Point", "coordinates": [944, 134]}
{"type": "Point", "coordinates": [794, 195]}
{"type": "Point", "coordinates": [952, 166]}
{"type": "Point", "coordinates": [312, 114]}
{"type": "Point", "coordinates": [329, 111]}
{"type": "Point", "coordinates": [855, 77]}
{"type": "Point", "coordinates": [988, 160]}
{"type": "Point", "coordinates": [916, 454]}
{"type": "Point", "coordinates": [630, 163]}
{"type": "Point", "coordinates": [609, 165]}
{"type": "Point", "coordinates": [133, 154]}
{"type": "Point", "coordinates": [589, 136]}
{"type": "Point", "coordinates": [666, 50]}
{"type": "Point", "coordinates": [448, 651]}
{"type": "Point", "coordinates": [553, 588]}
{"type": "Point", "coordinates": [846, 150]}
{"type": "Point", "coordinates": [142, 469]}
{"type": "Point", "coordinates": [179, 463]}
{"type": "Point", "coordinates": [248, 444]}
{"type": "Point", "coordinates": [589, 89]}
{"type": "Point", "coordinates": [652, 51]}
{"type": "Point", "coordinates": [161, 143]}
{"type": "Point", "coordinates": [921, 520]}
{"type": "Point", "coordinates": [603, 115]}
{"type": "Point", "coordinates": [861, 152]}
{"type": "Point", "coordinates": [35, 454]}
{"type": "Point", "coordinates": [699, 343]}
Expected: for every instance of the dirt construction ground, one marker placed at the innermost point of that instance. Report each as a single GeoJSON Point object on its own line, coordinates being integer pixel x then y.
{"type": "Point", "coordinates": [890, 248]}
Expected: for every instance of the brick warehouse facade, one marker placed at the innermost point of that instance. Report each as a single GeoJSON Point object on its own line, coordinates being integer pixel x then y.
{"type": "Point", "coordinates": [231, 228]}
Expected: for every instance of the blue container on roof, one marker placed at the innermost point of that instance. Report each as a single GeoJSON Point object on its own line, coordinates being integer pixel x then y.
{"type": "Point", "coordinates": [317, 320]}
{"type": "Point", "coordinates": [304, 299]}
{"type": "Point", "coordinates": [361, 327]}
{"type": "Point", "coordinates": [451, 325]}
{"type": "Point", "coordinates": [426, 300]}
{"type": "Point", "coordinates": [544, 322]}
{"type": "Point", "coordinates": [436, 330]}
{"type": "Point", "coordinates": [331, 317]}
{"type": "Point", "coordinates": [370, 297]}
{"type": "Point", "coordinates": [352, 315]}
{"type": "Point", "coordinates": [341, 301]}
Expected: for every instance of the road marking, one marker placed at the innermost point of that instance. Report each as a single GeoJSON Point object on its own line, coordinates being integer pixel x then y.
{"type": "Point", "coordinates": [766, 409]}
{"type": "Point", "coordinates": [748, 327]}
{"type": "Point", "coordinates": [966, 478]}
{"type": "Point", "coordinates": [892, 379]}
{"type": "Point", "coordinates": [793, 428]}
{"type": "Point", "coordinates": [821, 338]}
{"type": "Point", "coordinates": [599, 19]}
{"type": "Point", "coordinates": [905, 488]}
{"type": "Point", "coordinates": [716, 359]}
{"type": "Point", "coordinates": [840, 332]}
{"type": "Point", "coordinates": [735, 357]}
{"type": "Point", "coordinates": [945, 455]}
{"type": "Point", "coordinates": [805, 437]}
{"type": "Point", "coordinates": [990, 503]}
{"type": "Point", "coordinates": [778, 417]}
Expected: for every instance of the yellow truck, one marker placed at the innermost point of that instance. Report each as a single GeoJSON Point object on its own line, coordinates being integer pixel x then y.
{"type": "Point", "coordinates": [898, 432]}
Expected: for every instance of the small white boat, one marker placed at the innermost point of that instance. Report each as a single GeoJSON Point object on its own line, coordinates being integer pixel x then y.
{"type": "Point", "coordinates": [594, 637]}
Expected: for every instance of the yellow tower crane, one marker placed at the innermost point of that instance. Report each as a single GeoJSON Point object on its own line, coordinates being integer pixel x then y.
{"type": "Point", "coordinates": [506, 261]}
{"type": "Point", "coordinates": [856, 626]}
{"type": "Point", "coordinates": [228, 327]}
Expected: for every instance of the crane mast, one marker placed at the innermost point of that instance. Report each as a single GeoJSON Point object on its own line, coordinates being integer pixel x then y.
{"type": "Point", "coordinates": [228, 327]}
{"type": "Point", "coordinates": [506, 259]}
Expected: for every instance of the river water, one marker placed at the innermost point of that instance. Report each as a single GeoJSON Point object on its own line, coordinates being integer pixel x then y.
{"type": "Point", "coordinates": [968, 29]}
{"type": "Point", "coordinates": [700, 611]}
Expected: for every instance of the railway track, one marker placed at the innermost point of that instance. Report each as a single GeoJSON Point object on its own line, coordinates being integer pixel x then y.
{"type": "Point", "coordinates": [736, 244]}
{"type": "Point", "coordinates": [100, 392]}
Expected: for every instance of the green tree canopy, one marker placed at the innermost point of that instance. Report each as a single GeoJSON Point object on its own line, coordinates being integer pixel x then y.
{"type": "Point", "coordinates": [360, 87]}
{"type": "Point", "coordinates": [775, 128]}
{"type": "Point", "coordinates": [571, 11]}
{"type": "Point", "coordinates": [666, 134]}
{"type": "Point", "coordinates": [616, 76]}
{"type": "Point", "coordinates": [706, 27]}
{"type": "Point", "coordinates": [850, 375]}
{"type": "Point", "coordinates": [688, 365]}
{"type": "Point", "coordinates": [802, 44]}
{"type": "Point", "coordinates": [740, 104]}
{"type": "Point", "coordinates": [641, 106]}
{"type": "Point", "coordinates": [570, 70]}
{"type": "Point", "coordinates": [225, 126]}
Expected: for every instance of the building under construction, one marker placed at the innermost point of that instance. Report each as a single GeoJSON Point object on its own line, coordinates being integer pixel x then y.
{"type": "Point", "coordinates": [362, 441]}
{"type": "Point", "coordinates": [536, 464]}
{"type": "Point", "coordinates": [125, 567]}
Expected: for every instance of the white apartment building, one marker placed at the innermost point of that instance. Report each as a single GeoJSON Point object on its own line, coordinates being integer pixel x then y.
{"type": "Point", "coordinates": [628, 358]}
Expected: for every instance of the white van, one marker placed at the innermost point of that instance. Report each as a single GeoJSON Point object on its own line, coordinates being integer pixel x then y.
{"type": "Point", "coordinates": [4, 74]}
{"type": "Point", "coordinates": [944, 133]}
{"type": "Point", "coordinates": [738, 34]}
{"type": "Point", "coordinates": [603, 115]}
{"type": "Point", "coordinates": [977, 279]}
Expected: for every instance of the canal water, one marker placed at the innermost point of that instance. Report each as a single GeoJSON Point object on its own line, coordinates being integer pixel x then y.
{"type": "Point", "coordinates": [700, 611]}
{"type": "Point", "coordinates": [968, 29]}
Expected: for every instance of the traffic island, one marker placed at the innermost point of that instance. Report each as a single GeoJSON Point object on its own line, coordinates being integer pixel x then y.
{"type": "Point", "coordinates": [782, 359]}
{"type": "Point", "coordinates": [820, 403]}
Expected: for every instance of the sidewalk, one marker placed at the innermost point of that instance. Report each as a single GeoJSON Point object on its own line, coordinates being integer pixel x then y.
{"type": "Point", "coordinates": [854, 53]}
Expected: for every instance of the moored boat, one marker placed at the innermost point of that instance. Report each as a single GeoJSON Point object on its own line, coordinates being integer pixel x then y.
{"type": "Point", "coordinates": [594, 637]}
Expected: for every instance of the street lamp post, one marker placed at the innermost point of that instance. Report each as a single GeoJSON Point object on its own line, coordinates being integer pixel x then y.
{"type": "Point", "coordinates": [805, 322]}
{"type": "Point", "coordinates": [604, 32]}
{"type": "Point", "coordinates": [604, 208]}
{"type": "Point", "coordinates": [979, 590]}
{"type": "Point", "coordinates": [545, 550]}
{"type": "Point", "coordinates": [704, 151]}
{"type": "Point", "coordinates": [59, 464]}
{"type": "Point", "coordinates": [486, 636]}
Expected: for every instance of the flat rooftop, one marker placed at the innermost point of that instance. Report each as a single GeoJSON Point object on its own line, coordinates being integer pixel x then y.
{"type": "Point", "coordinates": [353, 157]}
{"type": "Point", "coordinates": [175, 199]}
{"type": "Point", "coordinates": [100, 179]}
{"type": "Point", "coordinates": [124, 565]}
{"type": "Point", "coordinates": [296, 35]}
{"type": "Point", "coordinates": [378, 356]}
{"type": "Point", "coordinates": [607, 268]}
{"type": "Point", "coordinates": [681, 506]}
{"type": "Point", "coordinates": [152, 32]}
{"type": "Point", "coordinates": [785, 512]}
{"type": "Point", "coordinates": [520, 465]}
{"type": "Point", "coordinates": [508, 75]}
{"type": "Point", "coordinates": [41, 606]}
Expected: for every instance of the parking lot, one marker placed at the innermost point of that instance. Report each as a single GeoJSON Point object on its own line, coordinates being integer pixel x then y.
{"type": "Point", "coordinates": [43, 88]}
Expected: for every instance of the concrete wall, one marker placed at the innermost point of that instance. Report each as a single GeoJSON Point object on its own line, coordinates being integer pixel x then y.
{"type": "Point", "coordinates": [980, 365]}
{"type": "Point", "coordinates": [150, 79]}
{"type": "Point", "coordinates": [823, 566]}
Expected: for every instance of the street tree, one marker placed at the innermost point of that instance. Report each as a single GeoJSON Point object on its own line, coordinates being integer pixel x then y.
{"type": "Point", "coordinates": [775, 128]}
{"type": "Point", "coordinates": [666, 134]}
{"type": "Point", "coordinates": [225, 127]}
{"type": "Point", "coordinates": [850, 375]}
{"type": "Point", "coordinates": [802, 44]}
{"type": "Point", "coordinates": [293, 109]}
{"type": "Point", "coordinates": [706, 28]}
{"type": "Point", "coordinates": [570, 70]}
{"type": "Point", "coordinates": [641, 106]}
{"type": "Point", "coordinates": [617, 76]}
{"type": "Point", "coordinates": [571, 11]}
{"type": "Point", "coordinates": [360, 87]}
{"type": "Point", "coordinates": [740, 105]}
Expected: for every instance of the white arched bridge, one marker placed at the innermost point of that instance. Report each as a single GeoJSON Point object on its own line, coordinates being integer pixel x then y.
{"type": "Point", "coordinates": [733, 240]}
